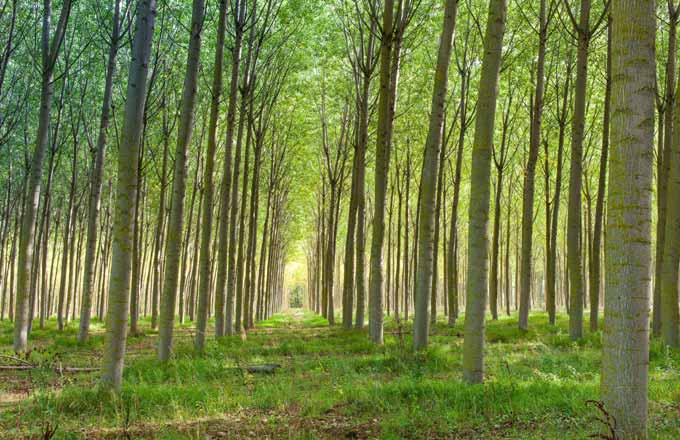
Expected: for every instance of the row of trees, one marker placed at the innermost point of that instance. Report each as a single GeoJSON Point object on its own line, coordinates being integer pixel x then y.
{"type": "Point", "coordinates": [324, 129]}
{"type": "Point", "coordinates": [82, 237]}
{"type": "Point", "coordinates": [417, 245]}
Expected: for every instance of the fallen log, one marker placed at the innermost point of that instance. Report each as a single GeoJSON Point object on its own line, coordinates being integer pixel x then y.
{"type": "Point", "coordinates": [263, 369]}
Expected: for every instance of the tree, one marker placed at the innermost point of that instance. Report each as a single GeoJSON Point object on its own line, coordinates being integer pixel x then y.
{"type": "Point", "coordinates": [584, 33]}
{"type": "Point", "coordinates": [595, 252]}
{"type": "Point", "coordinates": [239, 17]}
{"type": "Point", "coordinates": [671, 254]}
{"type": "Point", "coordinates": [625, 342]}
{"type": "Point", "coordinates": [96, 186]}
{"type": "Point", "coordinates": [561, 116]}
{"type": "Point", "coordinates": [375, 283]}
{"type": "Point", "coordinates": [665, 139]}
{"type": "Point", "coordinates": [501, 160]}
{"type": "Point", "coordinates": [174, 241]}
{"type": "Point", "coordinates": [478, 233]}
{"type": "Point", "coordinates": [50, 52]}
{"type": "Point", "coordinates": [360, 41]}
{"type": "Point", "coordinates": [429, 178]}
{"type": "Point", "coordinates": [206, 219]}
{"type": "Point", "coordinates": [128, 156]}
{"type": "Point", "coordinates": [544, 17]}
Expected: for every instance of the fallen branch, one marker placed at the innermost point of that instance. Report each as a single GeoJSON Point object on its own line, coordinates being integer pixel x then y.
{"type": "Point", "coordinates": [56, 369]}
{"type": "Point", "coordinates": [15, 359]}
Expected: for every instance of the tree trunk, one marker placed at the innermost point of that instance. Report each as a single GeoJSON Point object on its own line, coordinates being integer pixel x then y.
{"type": "Point", "coordinates": [429, 179]}
{"type": "Point", "coordinates": [666, 130]}
{"type": "Point", "coordinates": [574, 257]}
{"type": "Point", "coordinates": [176, 221]}
{"type": "Point", "coordinates": [625, 343]}
{"type": "Point", "coordinates": [530, 175]}
{"type": "Point", "coordinates": [594, 284]}
{"type": "Point", "coordinates": [50, 53]}
{"type": "Point", "coordinates": [204, 260]}
{"type": "Point", "coordinates": [382, 159]}
{"type": "Point", "coordinates": [239, 9]}
{"type": "Point", "coordinates": [478, 234]}
{"type": "Point", "coordinates": [452, 270]}
{"type": "Point", "coordinates": [128, 155]}
{"type": "Point", "coordinates": [96, 184]}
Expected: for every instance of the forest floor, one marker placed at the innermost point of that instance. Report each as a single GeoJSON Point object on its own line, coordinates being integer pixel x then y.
{"type": "Point", "coordinates": [332, 384]}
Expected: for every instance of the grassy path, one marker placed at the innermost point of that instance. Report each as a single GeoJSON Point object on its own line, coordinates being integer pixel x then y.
{"type": "Point", "coordinates": [332, 384]}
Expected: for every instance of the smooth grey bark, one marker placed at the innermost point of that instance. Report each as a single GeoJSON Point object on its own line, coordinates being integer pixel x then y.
{"type": "Point", "coordinates": [50, 53]}
{"type": "Point", "coordinates": [434, 290]}
{"type": "Point", "coordinates": [584, 33]}
{"type": "Point", "coordinates": [363, 59]}
{"type": "Point", "coordinates": [96, 185]}
{"type": "Point", "coordinates": [246, 83]}
{"type": "Point", "coordinates": [367, 66]}
{"type": "Point", "coordinates": [429, 178]}
{"type": "Point", "coordinates": [66, 255]}
{"type": "Point", "coordinates": [625, 340]}
{"type": "Point", "coordinates": [208, 186]}
{"type": "Point", "coordinates": [382, 155]}
{"type": "Point", "coordinates": [671, 255]}
{"type": "Point", "coordinates": [176, 220]}
{"type": "Point", "coordinates": [128, 156]}
{"type": "Point", "coordinates": [561, 106]}
{"type": "Point", "coordinates": [665, 138]}
{"type": "Point", "coordinates": [160, 221]}
{"type": "Point", "coordinates": [530, 172]}
{"type": "Point", "coordinates": [478, 231]}
{"type": "Point", "coordinates": [500, 161]}
{"type": "Point", "coordinates": [595, 253]}
{"type": "Point", "coordinates": [240, 300]}
{"type": "Point", "coordinates": [452, 269]}
{"type": "Point", "coordinates": [239, 17]}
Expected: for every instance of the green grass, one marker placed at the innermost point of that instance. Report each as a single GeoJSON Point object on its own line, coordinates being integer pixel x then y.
{"type": "Point", "coordinates": [333, 384]}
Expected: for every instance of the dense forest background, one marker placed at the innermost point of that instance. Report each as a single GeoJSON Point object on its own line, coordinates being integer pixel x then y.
{"type": "Point", "coordinates": [203, 164]}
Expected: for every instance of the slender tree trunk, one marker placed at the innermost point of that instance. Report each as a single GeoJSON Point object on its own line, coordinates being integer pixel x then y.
{"type": "Point", "coordinates": [429, 178]}
{"type": "Point", "coordinates": [96, 185]}
{"type": "Point", "coordinates": [478, 233]}
{"type": "Point", "coordinates": [407, 261]}
{"type": "Point", "coordinates": [437, 215]}
{"type": "Point", "coordinates": [160, 222]}
{"type": "Point", "coordinates": [137, 242]}
{"type": "Point", "coordinates": [508, 286]}
{"type": "Point", "coordinates": [671, 255]}
{"type": "Point", "coordinates": [495, 244]}
{"type": "Point", "coordinates": [360, 239]}
{"type": "Point", "coordinates": [66, 266]}
{"type": "Point", "coordinates": [452, 271]}
{"type": "Point", "coordinates": [239, 9]}
{"type": "Point", "coordinates": [234, 233]}
{"type": "Point", "coordinates": [551, 276]}
{"type": "Point", "coordinates": [252, 234]}
{"type": "Point", "coordinates": [666, 130]}
{"type": "Point", "coordinates": [204, 262]}
{"type": "Point", "coordinates": [348, 275]}
{"type": "Point", "coordinates": [530, 174]}
{"type": "Point", "coordinates": [175, 225]}
{"type": "Point", "coordinates": [594, 285]}
{"type": "Point", "coordinates": [242, 236]}
{"type": "Point", "coordinates": [50, 53]}
{"type": "Point", "coordinates": [382, 159]}
{"type": "Point", "coordinates": [574, 257]}
{"type": "Point", "coordinates": [128, 155]}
